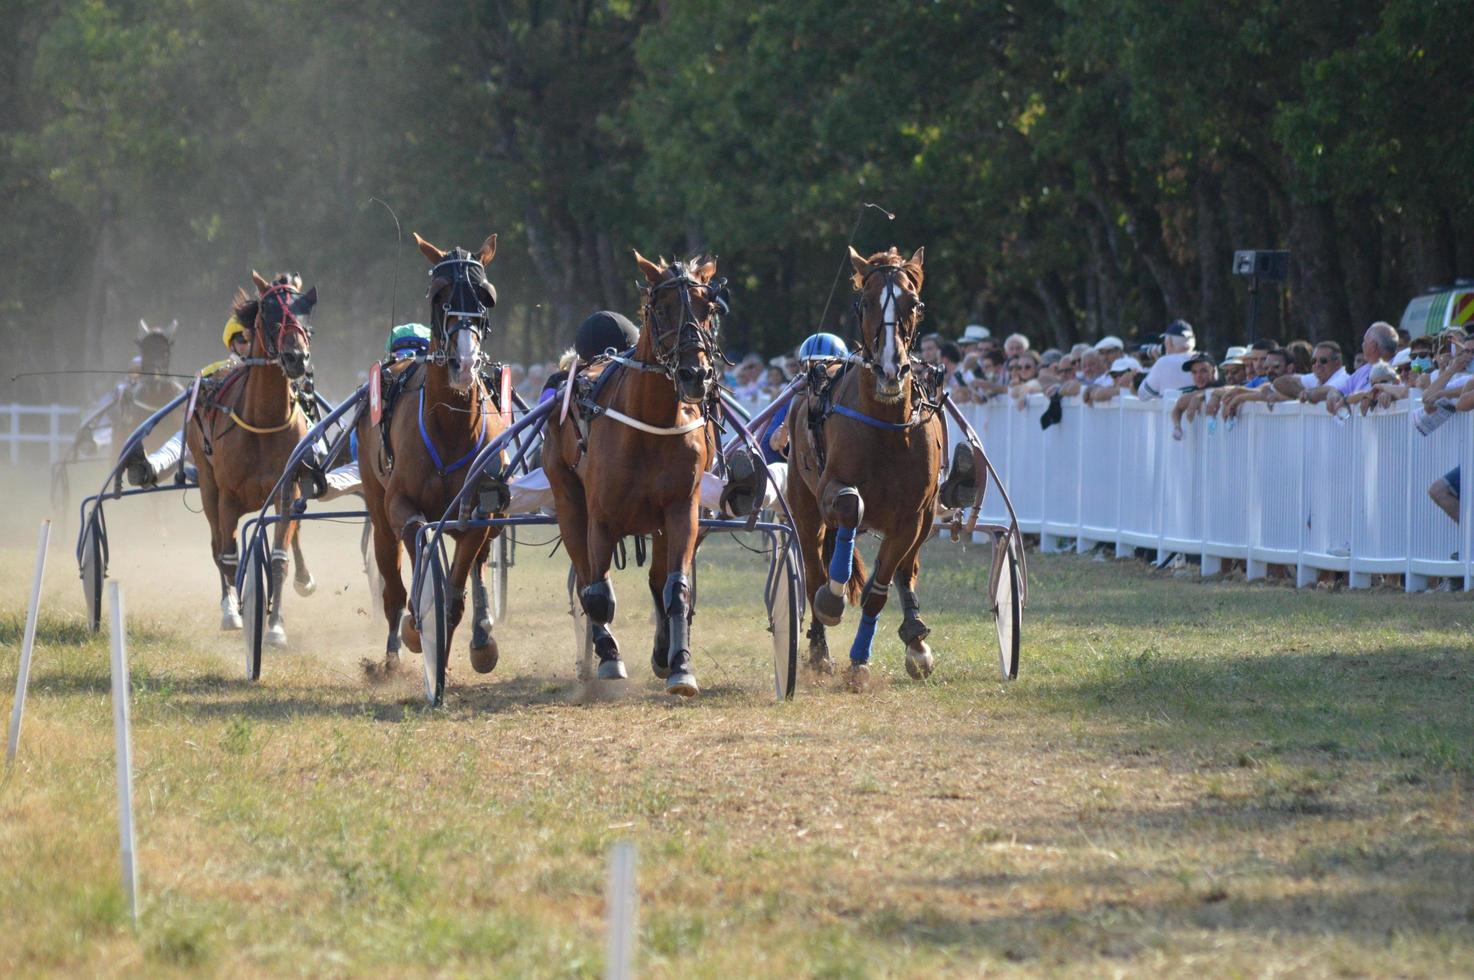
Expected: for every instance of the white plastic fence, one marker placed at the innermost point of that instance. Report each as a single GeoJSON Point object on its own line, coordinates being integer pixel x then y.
{"type": "Point", "coordinates": [52, 426]}
{"type": "Point", "coordinates": [1291, 486]}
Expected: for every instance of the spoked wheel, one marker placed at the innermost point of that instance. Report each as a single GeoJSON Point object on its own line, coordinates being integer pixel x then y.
{"type": "Point", "coordinates": [255, 602]}
{"type": "Point", "coordinates": [785, 597]}
{"type": "Point", "coordinates": [583, 634]}
{"type": "Point", "coordinates": [92, 560]}
{"type": "Point", "coordinates": [501, 561]}
{"type": "Point", "coordinates": [432, 617]}
{"type": "Point", "coordinates": [1008, 611]}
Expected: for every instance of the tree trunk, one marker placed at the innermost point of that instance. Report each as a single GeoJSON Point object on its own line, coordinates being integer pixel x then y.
{"type": "Point", "coordinates": [1318, 303]}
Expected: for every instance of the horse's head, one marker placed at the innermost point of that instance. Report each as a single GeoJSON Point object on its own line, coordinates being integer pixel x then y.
{"type": "Point", "coordinates": [682, 312]}
{"type": "Point", "coordinates": [154, 345]}
{"type": "Point", "coordinates": [461, 298]}
{"type": "Point", "coordinates": [888, 305]}
{"type": "Point", "coordinates": [278, 317]}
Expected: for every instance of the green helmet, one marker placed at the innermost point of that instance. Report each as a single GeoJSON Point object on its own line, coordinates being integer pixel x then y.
{"type": "Point", "coordinates": [414, 336]}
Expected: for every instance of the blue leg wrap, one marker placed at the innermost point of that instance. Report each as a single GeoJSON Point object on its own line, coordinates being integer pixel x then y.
{"type": "Point", "coordinates": [844, 556]}
{"type": "Point", "coordinates": [864, 636]}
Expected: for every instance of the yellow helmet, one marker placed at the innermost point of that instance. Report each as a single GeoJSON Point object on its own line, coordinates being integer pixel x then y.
{"type": "Point", "coordinates": [232, 327]}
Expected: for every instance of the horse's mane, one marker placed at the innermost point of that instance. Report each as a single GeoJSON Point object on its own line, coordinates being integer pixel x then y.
{"type": "Point", "coordinates": [888, 257]}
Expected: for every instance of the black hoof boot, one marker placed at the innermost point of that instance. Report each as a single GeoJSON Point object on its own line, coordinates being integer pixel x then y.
{"type": "Point", "coordinates": [606, 648]}
{"type": "Point", "coordinates": [828, 607]}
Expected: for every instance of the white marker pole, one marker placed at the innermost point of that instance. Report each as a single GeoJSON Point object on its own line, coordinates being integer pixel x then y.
{"type": "Point", "coordinates": [23, 676]}
{"type": "Point", "coordinates": [123, 741]}
{"type": "Point", "coordinates": [620, 913]}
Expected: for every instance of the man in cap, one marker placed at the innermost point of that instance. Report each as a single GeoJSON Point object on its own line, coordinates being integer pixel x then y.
{"type": "Point", "coordinates": [1123, 374]}
{"type": "Point", "coordinates": [1203, 369]}
{"type": "Point", "coordinates": [1170, 372]}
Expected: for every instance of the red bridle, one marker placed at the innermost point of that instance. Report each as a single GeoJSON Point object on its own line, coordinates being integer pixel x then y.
{"type": "Point", "coordinates": [289, 321]}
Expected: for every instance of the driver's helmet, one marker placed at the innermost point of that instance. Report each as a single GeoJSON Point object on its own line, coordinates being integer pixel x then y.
{"type": "Point", "coordinates": [233, 328]}
{"type": "Point", "coordinates": [411, 337]}
{"type": "Point", "coordinates": [822, 347]}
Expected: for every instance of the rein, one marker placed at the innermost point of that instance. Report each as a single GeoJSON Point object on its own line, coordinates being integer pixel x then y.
{"type": "Point", "coordinates": [266, 430]}
{"type": "Point", "coordinates": [440, 466]}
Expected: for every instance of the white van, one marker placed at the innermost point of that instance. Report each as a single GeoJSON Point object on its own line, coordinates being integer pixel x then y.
{"type": "Point", "coordinates": [1446, 306]}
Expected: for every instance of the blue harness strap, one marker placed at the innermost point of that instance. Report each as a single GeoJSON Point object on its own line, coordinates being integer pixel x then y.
{"type": "Point", "coordinates": [864, 638]}
{"type": "Point", "coordinates": [850, 413]}
{"type": "Point", "coordinates": [440, 467]}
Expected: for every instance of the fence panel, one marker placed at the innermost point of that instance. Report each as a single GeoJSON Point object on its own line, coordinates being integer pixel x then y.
{"type": "Point", "coordinates": [1100, 472]}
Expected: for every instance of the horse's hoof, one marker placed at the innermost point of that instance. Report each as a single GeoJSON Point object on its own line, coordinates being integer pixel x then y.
{"type": "Point", "coordinates": [822, 665]}
{"type": "Point", "coordinates": [408, 635]}
{"type": "Point", "coordinates": [230, 616]}
{"type": "Point", "coordinates": [683, 683]}
{"type": "Point", "coordinates": [828, 607]}
{"type": "Point", "coordinates": [857, 677]}
{"type": "Point", "coordinates": [611, 670]}
{"type": "Point", "coordinates": [483, 659]}
{"type": "Point", "coordinates": [659, 666]}
{"type": "Point", "coordinates": [919, 662]}
{"type": "Point", "coordinates": [276, 636]}
{"type": "Point", "coordinates": [305, 586]}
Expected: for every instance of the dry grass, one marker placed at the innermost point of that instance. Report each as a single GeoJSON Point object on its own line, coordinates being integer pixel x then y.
{"type": "Point", "coordinates": [1187, 779]}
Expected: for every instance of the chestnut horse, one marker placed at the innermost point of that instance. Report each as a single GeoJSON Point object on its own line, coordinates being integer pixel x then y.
{"type": "Point", "coordinates": [243, 429]}
{"type": "Point", "coordinates": [873, 464]}
{"type": "Point", "coordinates": [444, 415]}
{"type": "Point", "coordinates": [629, 459]}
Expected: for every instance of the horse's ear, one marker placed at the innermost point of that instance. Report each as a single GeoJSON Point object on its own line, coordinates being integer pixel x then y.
{"type": "Point", "coordinates": [261, 284]}
{"type": "Point", "coordinates": [653, 273]}
{"type": "Point", "coordinates": [143, 330]}
{"type": "Point", "coordinates": [305, 302]}
{"type": "Point", "coordinates": [707, 270]}
{"type": "Point", "coordinates": [858, 261]}
{"type": "Point", "coordinates": [427, 250]}
{"type": "Point", "coordinates": [488, 250]}
{"type": "Point", "coordinates": [169, 330]}
{"type": "Point", "coordinates": [914, 264]}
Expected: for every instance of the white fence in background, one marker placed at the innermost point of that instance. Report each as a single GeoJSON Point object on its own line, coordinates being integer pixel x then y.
{"type": "Point", "coordinates": [51, 426]}
{"type": "Point", "coordinates": [1292, 486]}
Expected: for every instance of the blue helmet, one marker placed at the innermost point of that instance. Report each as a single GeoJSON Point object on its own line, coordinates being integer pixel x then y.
{"type": "Point", "coordinates": [820, 346]}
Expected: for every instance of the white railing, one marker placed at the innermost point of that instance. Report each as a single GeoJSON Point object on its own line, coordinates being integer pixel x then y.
{"type": "Point", "coordinates": [1291, 486]}
{"type": "Point", "coordinates": [37, 425]}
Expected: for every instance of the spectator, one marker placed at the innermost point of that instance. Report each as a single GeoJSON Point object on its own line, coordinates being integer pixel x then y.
{"type": "Point", "coordinates": [1170, 373]}
{"type": "Point", "coordinates": [1094, 373]}
{"type": "Point", "coordinates": [749, 381]}
{"type": "Point", "coordinates": [1049, 367]}
{"type": "Point", "coordinates": [972, 336]}
{"type": "Point", "coordinates": [1233, 371]}
{"type": "Point", "coordinates": [1202, 368]}
{"type": "Point", "coordinates": [1301, 355]}
{"type": "Point", "coordinates": [1280, 383]}
{"type": "Point", "coordinates": [1325, 367]}
{"type": "Point", "coordinates": [951, 361]}
{"type": "Point", "coordinates": [1378, 344]}
{"type": "Point", "coordinates": [774, 381]}
{"type": "Point", "coordinates": [1023, 374]}
{"type": "Point", "coordinates": [931, 348]}
{"type": "Point", "coordinates": [1258, 351]}
{"type": "Point", "coordinates": [1110, 347]}
{"type": "Point", "coordinates": [1123, 374]}
{"type": "Point", "coordinates": [1015, 345]}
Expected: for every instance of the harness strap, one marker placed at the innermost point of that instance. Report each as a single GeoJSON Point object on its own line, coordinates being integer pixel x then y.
{"type": "Point", "coordinates": [440, 467]}
{"type": "Point", "coordinates": [654, 430]}
{"type": "Point", "coordinates": [260, 431]}
{"type": "Point", "coordinates": [870, 420]}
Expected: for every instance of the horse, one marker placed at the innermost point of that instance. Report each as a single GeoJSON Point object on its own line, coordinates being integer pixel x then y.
{"type": "Point", "coordinates": [413, 461]}
{"type": "Point", "coordinates": [629, 456]}
{"type": "Point", "coordinates": [241, 431]}
{"type": "Point", "coordinates": [867, 441]}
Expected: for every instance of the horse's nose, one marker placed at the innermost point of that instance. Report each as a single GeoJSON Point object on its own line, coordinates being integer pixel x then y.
{"type": "Point", "coordinates": [693, 375]}
{"type": "Point", "coordinates": [295, 362]}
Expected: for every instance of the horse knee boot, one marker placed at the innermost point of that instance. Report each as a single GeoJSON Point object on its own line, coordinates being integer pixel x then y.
{"type": "Point", "coordinates": [598, 602]}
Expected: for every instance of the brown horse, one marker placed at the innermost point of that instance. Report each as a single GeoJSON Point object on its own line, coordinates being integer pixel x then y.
{"type": "Point", "coordinates": [444, 416]}
{"type": "Point", "coordinates": [629, 459]}
{"type": "Point", "coordinates": [242, 431]}
{"type": "Point", "coordinates": [866, 448]}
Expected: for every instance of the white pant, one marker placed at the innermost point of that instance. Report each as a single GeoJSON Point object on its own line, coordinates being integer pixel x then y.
{"type": "Point", "coordinates": [167, 456]}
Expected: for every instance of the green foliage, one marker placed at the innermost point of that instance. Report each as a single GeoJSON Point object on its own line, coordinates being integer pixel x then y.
{"type": "Point", "coordinates": [1074, 168]}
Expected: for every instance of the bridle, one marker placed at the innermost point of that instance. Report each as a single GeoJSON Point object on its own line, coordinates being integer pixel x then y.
{"type": "Point", "coordinates": [889, 318]}
{"type": "Point", "coordinates": [691, 334]}
{"type": "Point", "coordinates": [469, 301]}
{"type": "Point", "coordinates": [284, 295]}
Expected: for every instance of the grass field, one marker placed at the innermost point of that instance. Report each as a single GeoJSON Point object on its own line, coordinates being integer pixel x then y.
{"type": "Point", "coordinates": [1188, 778]}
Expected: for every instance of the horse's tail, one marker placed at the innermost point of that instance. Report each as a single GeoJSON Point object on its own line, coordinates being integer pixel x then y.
{"type": "Point", "coordinates": [856, 584]}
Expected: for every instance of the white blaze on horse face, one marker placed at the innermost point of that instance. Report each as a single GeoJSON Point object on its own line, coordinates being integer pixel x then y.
{"type": "Point", "coordinates": [890, 304]}
{"type": "Point", "coordinates": [468, 352]}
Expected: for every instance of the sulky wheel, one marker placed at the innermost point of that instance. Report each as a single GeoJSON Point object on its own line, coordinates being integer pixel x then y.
{"type": "Point", "coordinates": [432, 615]}
{"type": "Point", "coordinates": [255, 602]}
{"type": "Point", "coordinates": [92, 560]}
{"type": "Point", "coordinates": [1008, 612]}
{"type": "Point", "coordinates": [784, 618]}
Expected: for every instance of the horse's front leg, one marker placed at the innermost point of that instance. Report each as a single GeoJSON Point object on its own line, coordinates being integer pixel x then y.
{"type": "Point", "coordinates": [407, 521]}
{"type": "Point", "coordinates": [598, 600]}
{"type": "Point", "coordinates": [681, 524]}
{"type": "Point", "coordinates": [913, 632]}
{"type": "Point", "coordinates": [283, 536]}
{"type": "Point", "coordinates": [302, 579]}
{"type": "Point", "coordinates": [484, 652]}
{"type": "Point", "coordinates": [844, 511]}
{"type": "Point", "coordinates": [895, 548]}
